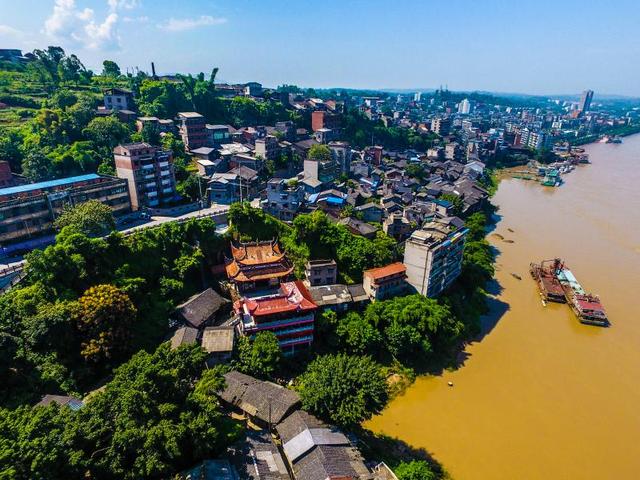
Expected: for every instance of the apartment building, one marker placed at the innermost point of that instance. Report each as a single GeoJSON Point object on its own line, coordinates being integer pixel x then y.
{"type": "Point", "coordinates": [193, 130]}
{"type": "Point", "coordinates": [267, 148]}
{"type": "Point", "coordinates": [149, 172]}
{"type": "Point", "coordinates": [433, 256]}
{"type": "Point", "coordinates": [321, 272]}
{"type": "Point", "coordinates": [284, 199]}
{"type": "Point", "coordinates": [30, 210]}
{"type": "Point", "coordinates": [385, 282]}
{"type": "Point", "coordinates": [118, 99]}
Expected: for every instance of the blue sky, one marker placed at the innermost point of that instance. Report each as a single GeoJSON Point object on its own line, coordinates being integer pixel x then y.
{"type": "Point", "coordinates": [538, 47]}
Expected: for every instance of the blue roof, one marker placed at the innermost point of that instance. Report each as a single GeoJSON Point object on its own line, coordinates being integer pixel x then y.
{"type": "Point", "coordinates": [60, 182]}
{"type": "Point", "coordinates": [444, 203]}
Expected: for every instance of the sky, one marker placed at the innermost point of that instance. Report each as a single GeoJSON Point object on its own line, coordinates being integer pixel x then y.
{"type": "Point", "coordinates": [535, 47]}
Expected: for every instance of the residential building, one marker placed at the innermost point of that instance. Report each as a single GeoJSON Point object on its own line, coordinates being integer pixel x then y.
{"type": "Point", "coordinates": [288, 312]}
{"type": "Point", "coordinates": [30, 210]}
{"type": "Point", "coordinates": [258, 458]}
{"type": "Point", "coordinates": [441, 126]}
{"type": "Point", "coordinates": [257, 265]}
{"type": "Point", "coordinates": [358, 227]}
{"type": "Point", "coordinates": [201, 310]}
{"type": "Point", "coordinates": [325, 171]}
{"type": "Point", "coordinates": [73, 403]}
{"type": "Point", "coordinates": [397, 226]}
{"type": "Point", "coordinates": [465, 107]}
{"type": "Point", "coordinates": [118, 99]}
{"type": "Point", "coordinates": [284, 198]}
{"type": "Point", "coordinates": [193, 130]}
{"type": "Point", "coordinates": [253, 89]}
{"type": "Point", "coordinates": [321, 272]}
{"type": "Point", "coordinates": [433, 257]}
{"type": "Point", "coordinates": [235, 185]}
{"type": "Point", "coordinates": [371, 212]}
{"type": "Point", "coordinates": [149, 172]}
{"type": "Point", "coordinates": [247, 161]}
{"type": "Point", "coordinates": [317, 451]}
{"type": "Point", "coordinates": [184, 336]}
{"type": "Point", "coordinates": [325, 135]}
{"type": "Point", "coordinates": [385, 282]}
{"type": "Point", "coordinates": [267, 148]}
{"type": "Point", "coordinates": [288, 130]}
{"type": "Point", "coordinates": [7, 179]}
{"type": "Point", "coordinates": [217, 135]}
{"type": "Point", "coordinates": [323, 119]}
{"type": "Point", "coordinates": [218, 342]}
{"type": "Point", "coordinates": [336, 297]}
{"type": "Point", "coordinates": [341, 153]}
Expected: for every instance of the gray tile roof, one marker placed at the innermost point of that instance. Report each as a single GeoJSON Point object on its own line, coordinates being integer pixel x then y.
{"type": "Point", "coordinates": [201, 308]}
{"type": "Point", "coordinates": [184, 336]}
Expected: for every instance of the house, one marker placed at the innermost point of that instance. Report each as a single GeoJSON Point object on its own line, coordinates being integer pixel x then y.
{"type": "Point", "coordinates": [265, 403]}
{"type": "Point", "coordinates": [201, 309]}
{"type": "Point", "coordinates": [288, 312]}
{"type": "Point", "coordinates": [235, 185]}
{"type": "Point", "coordinates": [244, 160]}
{"type": "Point", "coordinates": [118, 99]}
{"type": "Point", "coordinates": [321, 272]}
{"type": "Point", "coordinates": [331, 297]}
{"type": "Point", "coordinates": [257, 265]}
{"type": "Point", "coordinates": [218, 134]}
{"type": "Point", "coordinates": [62, 400]}
{"type": "Point", "coordinates": [397, 226]}
{"type": "Point", "coordinates": [371, 212]}
{"type": "Point", "coordinates": [284, 198]}
{"type": "Point", "coordinates": [358, 295]}
{"type": "Point", "coordinates": [218, 342]}
{"type": "Point", "coordinates": [206, 168]}
{"type": "Point", "coordinates": [385, 282]}
{"type": "Point", "coordinates": [210, 470]}
{"type": "Point", "coordinates": [358, 227]}
{"type": "Point", "coordinates": [257, 457]}
{"type": "Point", "coordinates": [193, 130]}
{"type": "Point", "coordinates": [317, 451]}
{"type": "Point", "coordinates": [184, 336]}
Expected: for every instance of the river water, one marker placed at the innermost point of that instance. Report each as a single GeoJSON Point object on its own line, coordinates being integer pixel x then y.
{"type": "Point", "coordinates": [541, 396]}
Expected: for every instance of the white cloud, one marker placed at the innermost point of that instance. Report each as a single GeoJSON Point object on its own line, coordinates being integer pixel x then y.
{"type": "Point", "coordinates": [182, 24]}
{"type": "Point", "coordinates": [140, 19]}
{"type": "Point", "coordinates": [9, 31]}
{"type": "Point", "coordinates": [81, 27]}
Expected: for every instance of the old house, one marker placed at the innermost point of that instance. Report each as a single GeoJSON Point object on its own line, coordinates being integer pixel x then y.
{"type": "Point", "coordinates": [201, 310]}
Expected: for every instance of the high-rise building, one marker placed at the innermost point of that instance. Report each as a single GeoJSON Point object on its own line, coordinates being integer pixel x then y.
{"type": "Point", "coordinates": [441, 126]}
{"type": "Point", "coordinates": [465, 107]}
{"type": "Point", "coordinates": [149, 172]}
{"type": "Point", "coordinates": [433, 257]}
{"type": "Point", "coordinates": [585, 101]}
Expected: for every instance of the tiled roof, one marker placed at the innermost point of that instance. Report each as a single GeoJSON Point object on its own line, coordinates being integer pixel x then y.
{"type": "Point", "coordinates": [293, 296]}
{"type": "Point", "coordinates": [386, 271]}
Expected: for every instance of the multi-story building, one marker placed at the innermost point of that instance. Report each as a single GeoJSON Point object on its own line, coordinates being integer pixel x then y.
{"type": "Point", "coordinates": [218, 134]}
{"type": "Point", "coordinates": [323, 119]}
{"type": "Point", "coordinates": [288, 312]}
{"type": "Point", "coordinates": [284, 198]}
{"type": "Point", "coordinates": [118, 99]}
{"type": "Point", "coordinates": [236, 185]}
{"type": "Point", "coordinates": [385, 282]}
{"type": "Point", "coordinates": [433, 257]}
{"type": "Point", "coordinates": [341, 153]}
{"type": "Point", "coordinates": [149, 172]}
{"type": "Point", "coordinates": [441, 126]}
{"type": "Point", "coordinates": [252, 89]}
{"type": "Point", "coordinates": [288, 130]}
{"type": "Point", "coordinates": [397, 226]}
{"type": "Point", "coordinates": [465, 107]}
{"type": "Point", "coordinates": [321, 272]}
{"type": "Point", "coordinates": [324, 171]}
{"type": "Point", "coordinates": [193, 130]}
{"type": "Point", "coordinates": [30, 210]}
{"type": "Point", "coordinates": [267, 148]}
{"type": "Point", "coordinates": [585, 101]}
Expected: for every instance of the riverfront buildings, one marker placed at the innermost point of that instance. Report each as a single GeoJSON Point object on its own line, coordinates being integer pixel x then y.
{"type": "Point", "coordinates": [433, 257]}
{"type": "Point", "coordinates": [385, 282]}
{"type": "Point", "coordinates": [30, 210]}
{"type": "Point", "coordinates": [149, 173]}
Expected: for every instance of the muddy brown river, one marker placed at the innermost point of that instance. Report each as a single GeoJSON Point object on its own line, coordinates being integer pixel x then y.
{"type": "Point", "coordinates": [541, 396]}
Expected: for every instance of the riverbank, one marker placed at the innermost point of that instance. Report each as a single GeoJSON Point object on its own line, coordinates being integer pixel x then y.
{"type": "Point", "coordinates": [536, 380]}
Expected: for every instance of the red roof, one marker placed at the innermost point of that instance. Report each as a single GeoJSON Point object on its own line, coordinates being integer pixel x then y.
{"type": "Point", "coordinates": [387, 271]}
{"type": "Point", "coordinates": [292, 297]}
{"type": "Point", "coordinates": [589, 303]}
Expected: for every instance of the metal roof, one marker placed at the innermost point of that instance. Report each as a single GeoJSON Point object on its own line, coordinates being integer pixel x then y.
{"type": "Point", "coordinates": [48, 184]}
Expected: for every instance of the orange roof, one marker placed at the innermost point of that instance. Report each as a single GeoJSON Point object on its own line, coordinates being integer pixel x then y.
{"type": "Point", "coordinates": [257, 261]}
{"type": "Point", "coordinates": [386, 271]}
{"type": "Point", "coordinates": [293, 296]}
{"type": "Point", "coordinates": [256, 253]}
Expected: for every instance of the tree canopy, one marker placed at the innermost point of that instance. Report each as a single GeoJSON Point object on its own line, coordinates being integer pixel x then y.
{"type": "Point", "coordinates": [93, 218]}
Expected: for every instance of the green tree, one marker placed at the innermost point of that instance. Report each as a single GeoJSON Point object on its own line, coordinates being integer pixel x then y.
{"type": "Point", "coordinates": [415, 470]}
{"type": "Point", "coordinates": [319, 152]}
{"type": "Point", "coordinates": [107, 132]}
{"type": "Point", "coordinates": [37, 167]}
{"type": "Point", "coordinates": [344, 389]}
{"type": "Point", "coordinates": [259, 357]}
{"type": "Point", "coordinates": [358, 335]}
{"type": "Point", "coordinates": [110, 69]}
{"type": "Point", "coordinates": [93, 218]}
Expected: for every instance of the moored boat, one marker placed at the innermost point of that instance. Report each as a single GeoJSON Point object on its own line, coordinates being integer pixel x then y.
{"type": "Point", "coordinates": [549, 286]}
{"type": "Point", "coordinates": [587, 307]}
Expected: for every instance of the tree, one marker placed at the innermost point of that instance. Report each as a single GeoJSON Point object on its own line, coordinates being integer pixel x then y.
{"type": "Point", "coordinates": [110, 69]}
{"type": "Point", "coordinates": [107, 132]}
{"type": "Point", "coordinates": [343, 389]}
{"type": "Point", "coordinates": [358, 335]}
{"type": "Point", "coordinates": [319, 152]}
{"type": "Point", "coordinates": [259, 357]}
{"type": "Point", "coordinates": [37, 167]}
{"type": "Point", "coordinates": [104, 315]}
{"type": "Point", "coordinates": [93, 218]}
{"type": "Point", "coordinates": [415, 470]}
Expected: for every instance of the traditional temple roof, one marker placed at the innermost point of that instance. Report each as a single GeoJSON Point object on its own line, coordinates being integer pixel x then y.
{"type": "Point", "coordinates": [292, 297]}
{"type": "Point", "coordinates": [257, 261]}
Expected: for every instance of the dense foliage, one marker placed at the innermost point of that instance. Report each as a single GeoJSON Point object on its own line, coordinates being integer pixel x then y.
{"type": "Point", "coordinates": [343, 389]}
{"type": "Point", "coordinates": [156, 416]}
{"type": "Point", "coordinates": [259, 357]}
{"type": "Point", "coordinates": [92, 218]}
{"type": "Point", "coordinates": [96, 298]}
{"type": "Point", "coordinates": [415, 470]}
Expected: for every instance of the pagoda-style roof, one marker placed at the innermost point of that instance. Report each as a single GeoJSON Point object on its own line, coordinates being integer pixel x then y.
{"type": "Point", "coordinates": [255, 261]}
{"type": "Point", "coordinates": [292, 297]}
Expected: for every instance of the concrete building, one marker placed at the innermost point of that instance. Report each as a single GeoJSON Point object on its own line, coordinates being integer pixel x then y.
{"type": "Point", "coordinates": [30, 210]}
{"type": "Point", "coordinates": [324, 171]}
{"type": "Point", "coordinates": [585, 101]}
{"type": "Point", "coordinates": [149, 172]}
{"type": "Point", "coordinates": [236, 185]}
{"type": "Point", "coordinates": [193, 130]}
{"type": "Point", "coordinates": [321, 272]}
{"type": "Point", "coordinates": [267, 148]}
{"type": "Point", "coordinates": [284, 199]}
{"type": "Point", "coordinates": [433, 257]}
{"type": "Point", "coordinates": [385, 282]}
{"type": "Point", "coordinates": [441, 126]}
{"type": "Point", "coordinates": [465, 107]}
{"type": "Point", "coordinates": [341, 153]}
{"type": "Point", "coordinates": [253, 89]}
{"type": "Point", "coordinates": [218, 134]}
{"type": "Point", "coordinates": [118, 99]}
{"type": "Point", "coordinates": [397, 226]}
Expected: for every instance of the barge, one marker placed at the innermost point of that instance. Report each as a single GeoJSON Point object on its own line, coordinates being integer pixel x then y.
{"type": "Point", "coordinates": [544, 273]}
{"type": "Point", "coordinates": [587, 307]}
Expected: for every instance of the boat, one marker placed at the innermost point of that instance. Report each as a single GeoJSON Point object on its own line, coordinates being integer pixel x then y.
{"type": "Point", "coordinates": [587, 307]}
{"type": "Point", "coordinates": [544, 273]}
{"type": "Point", "coordinates": [616, 139]}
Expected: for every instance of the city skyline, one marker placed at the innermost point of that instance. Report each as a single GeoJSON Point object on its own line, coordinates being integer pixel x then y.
{"type": "Point", "coordinates": [537, 48]}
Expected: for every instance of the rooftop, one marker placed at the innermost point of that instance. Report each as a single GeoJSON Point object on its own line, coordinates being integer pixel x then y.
{"type": "Point", "coordinates": [218, 339]}
{"type": "Point", "coordinates": [386, 271]}
{"type": "Point", "coordinates": [60, 182]}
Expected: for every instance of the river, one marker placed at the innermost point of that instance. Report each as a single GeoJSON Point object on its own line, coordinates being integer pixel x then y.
{"type": "Point", "coordinates": [541, 396]}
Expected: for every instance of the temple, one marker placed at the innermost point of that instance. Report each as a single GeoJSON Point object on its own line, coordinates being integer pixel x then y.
{"type": "Point", "coordinates": [257, 265]}
{"type": "Point", "coordinates": [288, 312]}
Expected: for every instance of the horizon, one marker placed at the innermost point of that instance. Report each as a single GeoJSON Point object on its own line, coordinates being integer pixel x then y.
{"type": "Point", "coordinates": [492, 47]}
